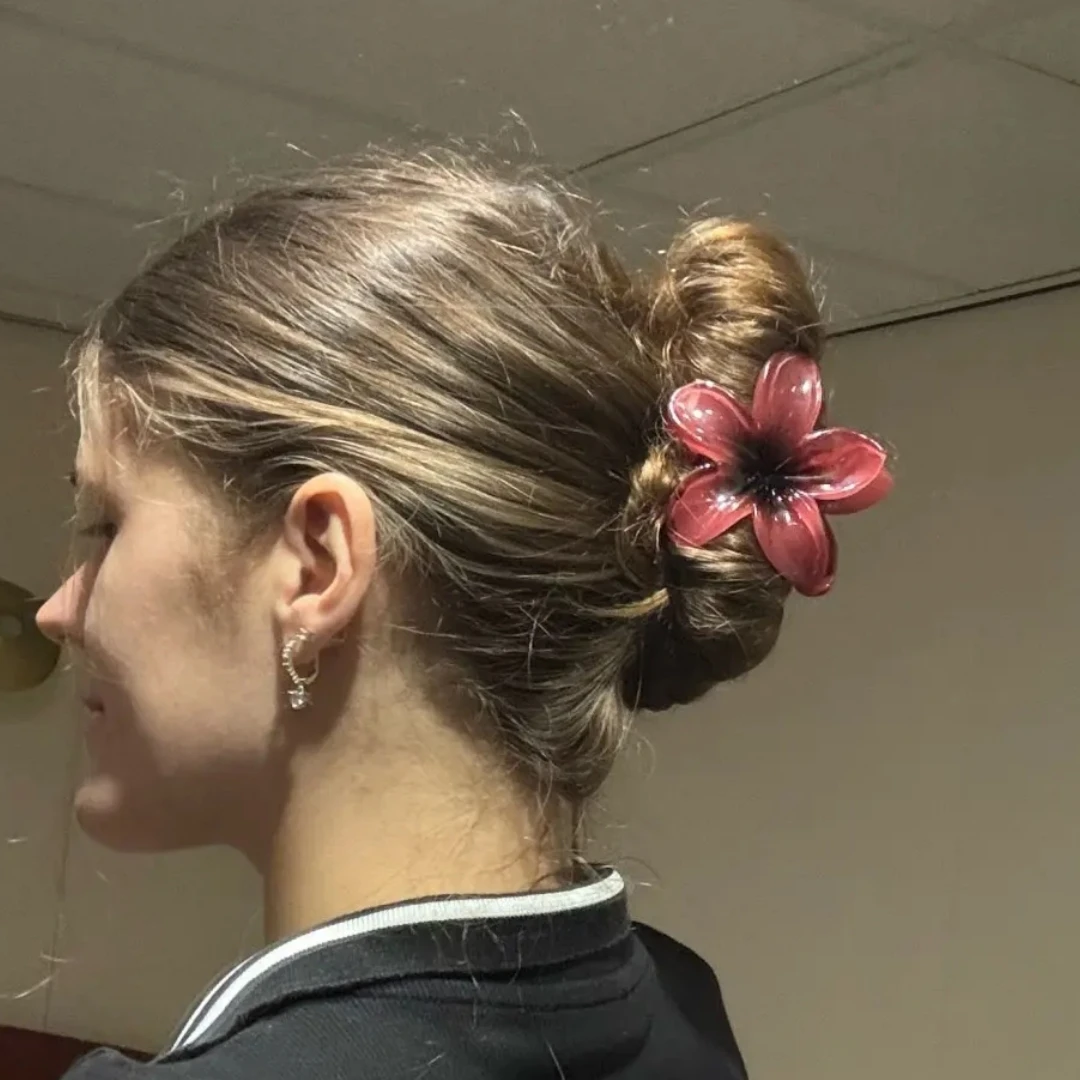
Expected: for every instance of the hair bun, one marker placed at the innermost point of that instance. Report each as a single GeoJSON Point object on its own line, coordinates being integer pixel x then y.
{"type": "Point", "coordinates": [730, 296]}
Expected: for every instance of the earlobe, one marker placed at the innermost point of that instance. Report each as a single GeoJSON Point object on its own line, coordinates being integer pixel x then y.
{"type": "Point", "coordinates": [328, 536]}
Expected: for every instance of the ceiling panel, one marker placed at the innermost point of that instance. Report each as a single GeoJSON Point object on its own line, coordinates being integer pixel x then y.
{"type": "Point", "coordinates": [65, 247]}
{"type": "Point", "coordinates": [119, 129]}
{"type": "Point", "coordinates": [1051, 43]}
{"type": "Point", "coordinates": [29, 301]}
{"type": "Point", "coordinates": [961, 170]}
{"type": "Point", "coordinates": [602, 74]}
{"type": "Point", "coordinates": [851, 285]}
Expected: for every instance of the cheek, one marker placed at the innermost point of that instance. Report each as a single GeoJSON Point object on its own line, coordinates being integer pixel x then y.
{"type": "Point", "coordinates": [191, 699]}
{"type": "Point", "coordinates": [135, 619]}
{"type": "Point", "coordinates": [189, 754]}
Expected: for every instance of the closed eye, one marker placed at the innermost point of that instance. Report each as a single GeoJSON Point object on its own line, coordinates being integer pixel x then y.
{"type": "Point", "coordinates": [102, 530]}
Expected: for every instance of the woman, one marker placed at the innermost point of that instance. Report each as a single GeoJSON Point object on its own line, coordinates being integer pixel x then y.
{"type": "Point", "coordinates": [400, 496]}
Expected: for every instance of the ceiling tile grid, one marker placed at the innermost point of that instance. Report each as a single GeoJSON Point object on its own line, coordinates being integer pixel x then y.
{"type": "Point", "coordinates": [915, 150]}
{"type": "Point", "coordinates": [933, 170]}
{"type": "Point", "coordinates": [118, 129]}
{"type": "Point", "coordinates": [1050, 43]}
{"type": "Point", "coordinates": [586, 78]}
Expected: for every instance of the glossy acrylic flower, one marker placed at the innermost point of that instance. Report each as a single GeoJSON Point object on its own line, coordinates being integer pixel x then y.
{"type": "Point", "coordinates": [769, 463]}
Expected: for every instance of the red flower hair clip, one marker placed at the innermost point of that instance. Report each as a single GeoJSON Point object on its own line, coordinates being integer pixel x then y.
{"type": "Point", "coordinates": [769, 463]}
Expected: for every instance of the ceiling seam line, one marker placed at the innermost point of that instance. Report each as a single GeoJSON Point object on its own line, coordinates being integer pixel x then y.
{"type": "Point", "coordinates": [1066, 279]}
{"type": "Point", "coordinates": [733, 110]}
{"type": "Point", "coordinates": [1026, 65]}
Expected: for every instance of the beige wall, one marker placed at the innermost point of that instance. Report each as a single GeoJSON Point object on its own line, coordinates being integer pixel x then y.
{"type": "Point", "coordinates": [36, 734]}
{"type": "Point", "coordinates": [874, 838]}
{"type": "Point", "coordinates": [871, 838]}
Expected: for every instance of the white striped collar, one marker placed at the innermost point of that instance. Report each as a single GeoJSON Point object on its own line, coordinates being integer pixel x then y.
{"type": "Point", "coordinates": [225, 996]}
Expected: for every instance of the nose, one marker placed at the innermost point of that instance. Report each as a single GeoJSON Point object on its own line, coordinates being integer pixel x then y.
{"type": "Point", "coordinates": [58, 617]}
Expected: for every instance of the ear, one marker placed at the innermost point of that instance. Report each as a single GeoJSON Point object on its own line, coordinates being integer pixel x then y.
{"type": "Point", "coordinates": [326, 557]}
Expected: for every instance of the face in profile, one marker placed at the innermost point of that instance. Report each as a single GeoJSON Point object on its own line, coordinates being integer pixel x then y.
{"type": "Point", "coordinates": [177, 676]}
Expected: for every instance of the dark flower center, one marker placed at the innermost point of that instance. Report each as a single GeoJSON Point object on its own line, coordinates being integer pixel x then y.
{"type": "Point", "coordinates": [766, 468]}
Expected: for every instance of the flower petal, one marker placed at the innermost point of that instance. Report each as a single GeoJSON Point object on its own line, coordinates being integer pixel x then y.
{"type": "Point", "coordinates": [873, 493]}
{"type": "Point", "coordinates": [707, 420]}
{"type": "Point", "coordinates": [798, 542]}
{"type": "Point", "coordinates": [788, 396]}
{"type": "Point", "coordinates": [839, 465]}
{"type": "Point", "coordinates": [705, 506]}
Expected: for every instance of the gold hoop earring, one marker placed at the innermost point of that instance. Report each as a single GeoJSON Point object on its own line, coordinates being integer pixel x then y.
{"type": "Point", "coordinates": [299, 694]}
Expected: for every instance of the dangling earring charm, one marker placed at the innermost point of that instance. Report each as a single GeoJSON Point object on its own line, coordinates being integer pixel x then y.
{"type": "Point", "coordinates": [299, 694]}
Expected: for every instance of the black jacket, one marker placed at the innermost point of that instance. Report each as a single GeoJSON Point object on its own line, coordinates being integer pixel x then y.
{"type": "Point", "coordinates": [559, 985]}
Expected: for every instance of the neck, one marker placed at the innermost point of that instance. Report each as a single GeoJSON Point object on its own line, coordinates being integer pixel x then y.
{"type": "Point", "coordinates": [358, 834]}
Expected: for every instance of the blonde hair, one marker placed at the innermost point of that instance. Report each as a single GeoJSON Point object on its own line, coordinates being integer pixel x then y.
{"type": "Point", "coordinates": [449, 331]}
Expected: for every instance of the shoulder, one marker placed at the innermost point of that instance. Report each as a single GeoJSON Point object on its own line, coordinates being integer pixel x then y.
{"type": "Point", "coordinates": [692, 987]}
{"type": "Point", "coordinates": [112, 1065]}
{"type": "Point", "coordinates": [676, 960]}
{"type": "Point", "coordinates": [307, 1040]}
{"type": "Point", "coordinates": [107, 1065]}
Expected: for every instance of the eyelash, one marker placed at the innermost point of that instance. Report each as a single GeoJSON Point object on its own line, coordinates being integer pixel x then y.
{"type": "Point", "coordinates": [104, 530]}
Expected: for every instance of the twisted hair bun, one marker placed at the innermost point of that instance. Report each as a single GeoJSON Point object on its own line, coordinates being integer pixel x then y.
{"type": "Point", "coordinates": [730, 296]}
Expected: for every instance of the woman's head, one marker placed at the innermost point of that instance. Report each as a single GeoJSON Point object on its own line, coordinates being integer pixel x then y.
{"type": "Point", "coordinates": [414, 401]}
